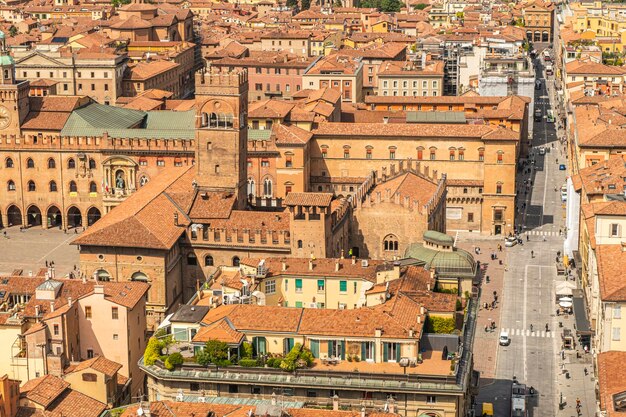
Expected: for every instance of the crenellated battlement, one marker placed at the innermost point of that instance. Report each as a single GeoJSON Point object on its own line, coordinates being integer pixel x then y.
{"type": "Point", "coordinates": [362, 196]}
{"type": "Point", "coordinates": [216, 81]}
{"type": "Point", "coordinates": [240, 237]}
{"type": "Point", "coordinates": [94, 143]}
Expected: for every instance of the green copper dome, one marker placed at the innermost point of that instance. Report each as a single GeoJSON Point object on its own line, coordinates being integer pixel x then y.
{"type": "Point", "coordinates": [6, 60]}
{"type": "Point", "coordinates": [2, 36]}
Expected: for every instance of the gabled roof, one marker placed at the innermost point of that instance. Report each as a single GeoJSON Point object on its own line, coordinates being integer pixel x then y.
{"type": "Point", "coordinates": [145, 219]}
{"type": "Point", "coordinates": [98, 363]}
{"type": "Point", "coordinates": [43, 390]}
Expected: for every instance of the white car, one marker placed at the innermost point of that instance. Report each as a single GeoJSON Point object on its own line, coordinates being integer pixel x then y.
{"type": "Point", "coordinates": [510, 241]}
{"type": "Point", "coordinates": [504, 339]}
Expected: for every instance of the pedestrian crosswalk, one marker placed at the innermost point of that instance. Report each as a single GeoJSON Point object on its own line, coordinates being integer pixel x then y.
{"type": "Point", "coordinates": [540, 102]}
{"type": "Point", "coordinates": [542, 233]}
{"type": "Point", "coordinates": [528, 333]}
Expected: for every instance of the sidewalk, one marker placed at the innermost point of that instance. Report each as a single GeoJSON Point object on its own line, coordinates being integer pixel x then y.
{"type": "Point", "coordinates": [486, 342]}
{"type": "Point", "coordinates": [578, 385]}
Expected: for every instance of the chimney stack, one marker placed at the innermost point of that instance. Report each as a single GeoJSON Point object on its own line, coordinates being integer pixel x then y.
{"type": "Point", "coordinates": [69, 301]}
{"type": "Point", "coordinates": [284, 266]}
{"type": "Point", "coordinates": [51, 306]}
{"type": "Point", "coordinates": [353, 260]}
{"type": "Point", "coordinates": [310, 264]}
{"type": "Point", "coordinates": [336, 265]}
{"type": "Point", "coordinates": [98, 289]}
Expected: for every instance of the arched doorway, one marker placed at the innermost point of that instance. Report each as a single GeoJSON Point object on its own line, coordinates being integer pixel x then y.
{"type": "Point", "coordinates": [545, 37]}
{"type": "Point", "coordinates": [14, 216]}
{"type": "Point", "coordinates": [54, 216]}
{"type": "Point", "coordinates": [33, 216]}
{"type": "Point", "coordinates": [93, 215]}
{"type": "Point", "coordinates": [74, 217]}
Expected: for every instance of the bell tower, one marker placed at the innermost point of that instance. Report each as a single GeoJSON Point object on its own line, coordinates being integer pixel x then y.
{"type": "Point", "coordinates": [222, 132]}
{"type": "Point", "coordinates": [14, 103]}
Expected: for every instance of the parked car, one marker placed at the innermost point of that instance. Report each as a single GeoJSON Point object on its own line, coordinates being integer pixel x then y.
{"type": "Point", "coordinates": [504, 340]}
{"type": "Point", "coordinates": [564, 193]}
{"type": "Point", "coordinates": [510, 241]}
{"type": "Point", "coordinates": [550, 116]}
{"type": "Point", "coordinates": [538, 115]}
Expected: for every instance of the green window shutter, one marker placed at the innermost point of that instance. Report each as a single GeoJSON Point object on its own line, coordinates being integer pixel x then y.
{"type": "Point", "coordinates": [286, 303]}
{"type": "Point", "coordinates": [330, 348]}
{"type": "Point", "coordinates": [320, 284]}
{"type": "Point", "coordinates": [362, 351]}
{"type": "Point", "coordinates": [298, 283]}
{"type": "Point", "coordinates": [385, 352]}
{"type": "Point", "coordinates": [398, 353]}
{"type": "Point", "coordinates": [315, 348]}
{"type": "Point", "coordinates": [298, 304]}
{"type": "Point", "coordinates": [343, 286]}
{"type": "Point", "coordinates": [374, 351]}
{"type": "Point", "coordinates": [343, 350]}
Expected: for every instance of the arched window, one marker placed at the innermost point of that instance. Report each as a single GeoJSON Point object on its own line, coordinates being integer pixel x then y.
{"type": "Point", "coordinates": [53, 187]}
{"type": "Point", "coordinates": [251, 187]}
{"type": "Point", "coordinates": [236, 261]}
{"type": "Point", "coordinates": [390, 243]}
{"type": "Point", "coordinates": [8, 163]}
{"type": "Point", "coordinates": [92, 164]}
{"type": "Point", "coordinates": [500, 156]}
{"type": "Point", "coordinates": [191, 259]}
{"type": "Point", "coordinates": [32, 186]}
{"type": "Point", "coordinates": [208, 260]}
{"type": "Point", "coordinates": [299, 244]}
{"type": "Point", "coordinates": [143, 180]}
{"type": "Point", "coordinates": [267, 187]}
{"type": "Point", "coordinates": [103, 275]}
{"type": "Point", "coordinates": [228, 121]}
{"type": "Point", "coordinates": [93, 188]}
{"type": "Point", "coordinates": [139, 276]}
{"type": "Point", "coordinates": [73, 187]}
{"type": "Point", "coordinates": [52, 163]}
{"type": "Point", "coordinates": [30, 163]}
{"type": "Point", "coordinates": [71, 164]}
{"type": "Point", "coordinates": [10, 185]}
{"type": "Point", "coordinates": [213, 120]}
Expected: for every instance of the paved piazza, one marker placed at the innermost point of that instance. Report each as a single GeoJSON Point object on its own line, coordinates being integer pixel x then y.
{"type": "Point", "coordinates": [31, 248]}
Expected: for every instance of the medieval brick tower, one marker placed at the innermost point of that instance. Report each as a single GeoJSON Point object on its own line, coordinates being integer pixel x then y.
{"type": "Point", "coordinates": [222, 132]}
{"type": "Point", "coordinates": [14, 104]}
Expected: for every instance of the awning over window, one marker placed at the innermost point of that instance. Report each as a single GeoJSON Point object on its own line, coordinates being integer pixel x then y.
{"type": "Point", "coordinates": [580, 314]}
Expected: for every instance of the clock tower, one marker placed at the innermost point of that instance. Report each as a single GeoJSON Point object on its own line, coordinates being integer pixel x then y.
{"type": "Point", "coordinates": [14, 103]}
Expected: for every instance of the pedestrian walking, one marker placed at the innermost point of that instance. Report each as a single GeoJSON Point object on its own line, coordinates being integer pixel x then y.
{"type": "Point", "coordinates": [532, 254]}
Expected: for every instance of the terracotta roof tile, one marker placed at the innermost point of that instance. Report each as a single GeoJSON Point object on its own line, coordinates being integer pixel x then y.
{"type": "Point", "coordinates": [308, 199]}
{"type": "Point", "coordinates": [100, 364]}
{"type": "Point", "coordinates": [221, 331]}
{"type": "Point", "coordinates": [43, 390]}
{"type": "Point", "coordinates": [611, 380]}
{"type": "Point", "coordinates": [184, 409]}
{"type": "Point", "coordinates": [611, 262]}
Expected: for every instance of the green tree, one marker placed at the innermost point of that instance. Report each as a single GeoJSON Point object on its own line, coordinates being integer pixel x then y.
{"type": "Point", "coordinates": [298, 357]}
{"type": "Point", "coordinates": [12, 31]}
{"type": "Point", "coordinates": [247, 350]}
{"type": "Point", "coordinates": [420, 6]}
{"type": "Point", "coordinates": [388, 6]}
{"type": "Point", "coordinates": [214, 352]}
{"type": "Point", "coordinates": [440, 325]}
{"type": "Point", "coordinates": [292, 3]}
{"type": "Point", "coordinates": [118, 3]}
{"type": "Point", "coordinates": [306, 4]}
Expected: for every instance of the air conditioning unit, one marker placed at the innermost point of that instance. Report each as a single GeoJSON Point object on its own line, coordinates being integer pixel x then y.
{"type": "Point", "coordinates": [342, 306]}
{"type": "Point", "coordinates": [312, 305]}
{"type": "Point", "coordinates": [364, 263]}
{"type": "Point", "coordinates": [201, 399]}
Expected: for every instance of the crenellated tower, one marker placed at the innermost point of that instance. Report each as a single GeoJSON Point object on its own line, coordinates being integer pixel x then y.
{"type": "Point", "coordinates": [221, 131]}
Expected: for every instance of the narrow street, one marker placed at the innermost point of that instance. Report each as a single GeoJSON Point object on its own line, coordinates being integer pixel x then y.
{"type": "Point", "coordinates": [528, 306]}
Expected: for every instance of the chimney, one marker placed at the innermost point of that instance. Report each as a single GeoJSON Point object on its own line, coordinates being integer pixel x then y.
{"type": "Point", "coordinates": [419, 319]}
{"type": "Point", "coordinates": [310, 264]}
{"type": "Point", "coordinates": [411, 332]}
{"type": "Point", "coordinates": [273, 398]}
{"type": "Point", "coordinates": [362, 411]}
{"type": "Point", "coordinates": [336, 265]}
{"type": "Point", "coordinates": [69, 301]}
{"type": "Point", "coordinates": [421, 309]}
{"type": "Point", "coordinates": [386, 119]}
{"type": "Point", "coordinates": [284, 265]}
{"type": "Point", "coordinates": [36, 311]}
{"type": "Point", "coordinates": [84, 279]}
{"type": "Point", "coordinates": [335, 402]}
{"type": "Point", "coordinates": [353, 260]}
{"type": "Point", "coordinates": [428, 286]}
{"type": "Point", "coordinates": [52, 306]}
{"type": "Point", "coordinates": [98, 289]}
